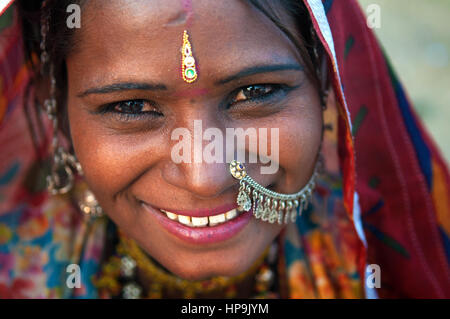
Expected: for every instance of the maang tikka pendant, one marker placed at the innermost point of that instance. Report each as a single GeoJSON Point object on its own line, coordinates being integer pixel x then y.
{"type": "Point", "coordinates": [188, 67]}
{"type": "Point", "coordinates": [268, 205]}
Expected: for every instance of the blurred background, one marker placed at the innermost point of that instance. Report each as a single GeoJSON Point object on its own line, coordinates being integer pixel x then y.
{"type": "Point", "coordinates": [416, 37]}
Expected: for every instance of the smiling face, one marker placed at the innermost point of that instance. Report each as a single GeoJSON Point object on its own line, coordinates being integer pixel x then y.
{"type": "Point", "coordinates": [126, 96]}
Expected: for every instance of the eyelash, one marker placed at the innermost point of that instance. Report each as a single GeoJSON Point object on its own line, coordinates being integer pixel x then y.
{"type": "Point", "coordinates": [276, 89]}
{"type": "Point", "coordinates": [128, 116]}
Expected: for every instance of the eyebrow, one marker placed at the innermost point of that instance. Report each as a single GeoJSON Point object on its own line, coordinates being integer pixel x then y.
{"type": "Point", "coordinates": [127, 86]}
{"type": "Point", "coordinates": [260, 69]}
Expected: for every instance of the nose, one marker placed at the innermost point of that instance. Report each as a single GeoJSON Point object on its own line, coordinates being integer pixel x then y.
{"type": "Point", "coordinates": [202, 169]}
{"type": "Point", "coordinates": [203, 180]}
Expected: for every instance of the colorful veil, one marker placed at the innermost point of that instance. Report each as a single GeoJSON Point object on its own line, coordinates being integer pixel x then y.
{"type": "Point", "coordinates": [385, 200]}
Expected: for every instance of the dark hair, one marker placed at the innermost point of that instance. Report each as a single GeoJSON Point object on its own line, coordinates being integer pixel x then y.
{"type": "Point", "coordinates": [302, 36]}
{"type": "Point", "coordinates": [61, 40]}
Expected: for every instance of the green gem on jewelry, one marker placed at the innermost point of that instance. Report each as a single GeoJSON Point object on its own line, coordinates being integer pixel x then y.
{"type": "Point", "coordinates": [190, 73]}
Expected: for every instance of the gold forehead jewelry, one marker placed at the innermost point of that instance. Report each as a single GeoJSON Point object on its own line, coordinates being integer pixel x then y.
{"type": "Point", "coordinates": [267, 205]}
{"type": "Point", "coordinates": [188, 67]}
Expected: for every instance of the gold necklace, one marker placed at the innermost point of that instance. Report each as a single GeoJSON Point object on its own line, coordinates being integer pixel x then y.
{"type": "Point", "coordinates": [130, 258]}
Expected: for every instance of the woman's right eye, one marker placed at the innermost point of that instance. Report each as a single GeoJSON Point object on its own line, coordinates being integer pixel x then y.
{"type": "Point", "coordinates": [132, 106]}
{"type": "Point", "coordinates": [131, 109]}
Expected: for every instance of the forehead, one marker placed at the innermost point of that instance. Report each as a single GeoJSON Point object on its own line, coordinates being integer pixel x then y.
{"type": "Point", "coordinates": [119, 39]}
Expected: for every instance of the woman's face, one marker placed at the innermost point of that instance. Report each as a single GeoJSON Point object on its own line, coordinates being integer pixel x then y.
{"type": "Point", "coordinates": [126, 96]}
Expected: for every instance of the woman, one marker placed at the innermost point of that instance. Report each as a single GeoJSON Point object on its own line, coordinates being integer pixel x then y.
{"type": "Point", "coordinates": [129, 213]}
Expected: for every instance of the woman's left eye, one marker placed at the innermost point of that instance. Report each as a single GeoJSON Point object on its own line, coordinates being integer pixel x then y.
{"type": "Point", "coordinates": [255, 92]}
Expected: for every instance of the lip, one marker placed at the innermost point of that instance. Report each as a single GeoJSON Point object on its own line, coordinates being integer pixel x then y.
{"type": "Point", "coordinates": [204, 212]}
{"type": "Point", "coordinates": [201, 235]}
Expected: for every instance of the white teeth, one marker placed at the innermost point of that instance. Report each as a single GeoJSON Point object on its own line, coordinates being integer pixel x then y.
{"type": "Point", "coordinates": [203, 221]}
{"type": "Point", "coordinates": [231, 214]}
{"type": "Point", "coordinates": [199, 221]}
{"type": "Point", "coordinates": [216, 219]}
{"type": "Point", "coordinates": [172, 216]}
{"type": "Point", "coordinates": [184, 220]}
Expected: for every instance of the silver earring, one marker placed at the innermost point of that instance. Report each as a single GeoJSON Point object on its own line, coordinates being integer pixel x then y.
{"type": "Point", "coordinates": [64, 166]}
{"type": "Point", "coordinates": [267, 205]}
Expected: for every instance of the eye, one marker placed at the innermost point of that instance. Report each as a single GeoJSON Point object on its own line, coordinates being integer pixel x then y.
{"type": "Point", "coordinates": [255, 92]}
{"type": "Point", "coordinates": [130, 110]}
{"type": "Point", "coordinates": [132, 107]}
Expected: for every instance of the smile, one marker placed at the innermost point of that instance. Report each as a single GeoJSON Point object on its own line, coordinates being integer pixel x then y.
{"type": "Point", "coordinates": [205, 226]}
{"type": "Point", "coordinates": [208, 221]}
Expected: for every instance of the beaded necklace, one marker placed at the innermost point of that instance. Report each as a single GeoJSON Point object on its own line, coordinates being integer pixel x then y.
{"type": "Point", "coordinates": [119, 277]}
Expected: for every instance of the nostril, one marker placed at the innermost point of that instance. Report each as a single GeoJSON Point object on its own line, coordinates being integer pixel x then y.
{"type": "Point", "coordinates": [202, 180]}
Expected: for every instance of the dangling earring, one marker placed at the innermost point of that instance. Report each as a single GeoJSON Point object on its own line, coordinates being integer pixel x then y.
{"type": "Point", "coordinates": [64, 165]}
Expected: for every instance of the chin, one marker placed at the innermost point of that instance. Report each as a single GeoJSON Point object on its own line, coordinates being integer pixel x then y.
{"type": "Point", "coordinates": [201, 270]}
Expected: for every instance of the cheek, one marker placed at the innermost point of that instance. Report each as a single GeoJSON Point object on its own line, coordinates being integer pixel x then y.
{"type": "Point", "coordinates": [300, 139]}
{"type": "Point", "coordinates": [98, 154]}
{"type": "Point", "coordinates": [110, 161]}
